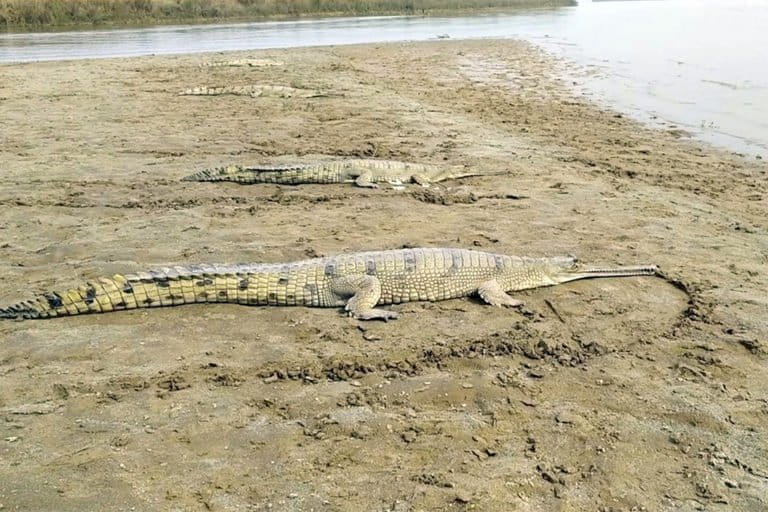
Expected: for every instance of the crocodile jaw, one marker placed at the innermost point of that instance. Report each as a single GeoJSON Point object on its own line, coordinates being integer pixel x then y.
{"type": "Point", "coordinates": [564, 275]}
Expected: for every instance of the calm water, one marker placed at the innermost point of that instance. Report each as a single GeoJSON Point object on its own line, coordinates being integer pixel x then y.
{"type": "Point", "coordinates": [701, 64]}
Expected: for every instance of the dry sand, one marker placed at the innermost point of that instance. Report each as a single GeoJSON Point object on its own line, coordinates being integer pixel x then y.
{"type": "Point", "coordinates": [637, 394]}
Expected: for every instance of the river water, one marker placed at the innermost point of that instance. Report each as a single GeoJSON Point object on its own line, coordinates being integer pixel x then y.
{"type": "Point", "coordinates": [701, 65]}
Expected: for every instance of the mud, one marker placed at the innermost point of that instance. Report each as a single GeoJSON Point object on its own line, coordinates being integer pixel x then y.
{"type": "Point", "coordinates": [611, 395]}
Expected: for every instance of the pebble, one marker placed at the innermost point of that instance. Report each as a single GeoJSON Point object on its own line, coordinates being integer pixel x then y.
{"type": "Point", "coordinates": [463, 497]}
{"type": "Point", "coordinates": [565, 417]}
{"type": "Point", "coordinates": [467, 385]}
{"type": "Point", "coordinates": [408, 436]}
{"type": "Point", "coordinates": [732, 484]}
{"type": "Point", "coordinates": [546, 474]}
{"type": "Point", "coordinates": [477, 453]}
{"type": "Point", "coordinates": [12, 439]}
{"type": "Point", "coordinates": [61, 391]}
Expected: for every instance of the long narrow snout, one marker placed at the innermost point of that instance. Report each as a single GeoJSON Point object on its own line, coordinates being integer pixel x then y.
{"type": "Point", "coordinates": [594, 272]}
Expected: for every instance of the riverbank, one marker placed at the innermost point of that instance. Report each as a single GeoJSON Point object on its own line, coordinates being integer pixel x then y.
{"type": "Point", "coordinates": [612, 394]}
{"type": "Point", "coordinates": [30, 14]}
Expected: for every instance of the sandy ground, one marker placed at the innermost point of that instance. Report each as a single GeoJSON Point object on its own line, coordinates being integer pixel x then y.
{"type": "Point", "coordinates": [605, 395]}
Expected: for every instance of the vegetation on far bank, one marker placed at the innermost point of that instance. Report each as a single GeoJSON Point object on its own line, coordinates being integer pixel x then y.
{"type": "Point", "coordinates": [36, 13]}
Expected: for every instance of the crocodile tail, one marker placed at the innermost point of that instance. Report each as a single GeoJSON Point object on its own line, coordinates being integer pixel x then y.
{"type": "Point", "coordinates": [279, 174]}
{"type": "Point", "coordinates": [196, 91]}
{"type": "Point", "coordinates": [226, 173]}
{"type": "Point", "coordinates": [165, 287]}
{"type": "Point", "coordinates": [96, 297]}
{"type": "Point", "coordinates": [20, 311]}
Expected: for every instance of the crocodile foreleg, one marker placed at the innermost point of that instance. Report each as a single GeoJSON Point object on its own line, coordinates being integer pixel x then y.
{"type": "Point", "coordinates": [492, 293]}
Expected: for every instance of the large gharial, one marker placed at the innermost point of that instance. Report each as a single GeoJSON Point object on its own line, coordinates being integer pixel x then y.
{"type": "Point", "coordinates": [362, 172]}
{"type": "Point", "coordinates": [358, 281]}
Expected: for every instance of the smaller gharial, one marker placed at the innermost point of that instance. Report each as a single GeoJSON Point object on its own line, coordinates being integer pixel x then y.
{"type": "Point", "coordinates": [362, 172]}
{"type": "Point", "coordinates": [240, 63]}
{"type": "Point", "coordinates": [255, 91]}
{"type": "Point", "coordinates": [357, 281]}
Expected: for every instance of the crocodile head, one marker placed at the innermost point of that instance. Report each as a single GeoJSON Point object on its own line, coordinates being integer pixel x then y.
{"type": "Point", "coordinates": [454, 172]}
{"type": "Point", "coordinates": [562, 269]}
{"type": "Point", "coordinates": [457, 171]}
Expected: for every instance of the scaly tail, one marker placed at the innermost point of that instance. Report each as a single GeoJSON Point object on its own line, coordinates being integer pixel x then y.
{"type": "Point", "coordinates": [228, 173]}
{"type": "Point", "coordinates": [165, 287]}
{"type": "Point", "coordinates": [292, 174]}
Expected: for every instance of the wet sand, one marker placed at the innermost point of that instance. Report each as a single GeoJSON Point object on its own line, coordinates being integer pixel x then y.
{"type": "Point", "coordinates": [612, 394]}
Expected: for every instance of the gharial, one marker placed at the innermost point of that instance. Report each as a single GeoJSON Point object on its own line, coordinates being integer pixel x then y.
{"type": "Point", "coordinates": [238, 63]}
{"type": "Point", "coordinates": [255, 91]}
{"type": "Point", "coordinates": [358, 281]}
{"type": "Point", "coordinates": [362, 172]}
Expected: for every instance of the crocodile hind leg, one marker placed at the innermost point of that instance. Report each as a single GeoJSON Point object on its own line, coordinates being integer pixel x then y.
{"type": "Point", "coordinates": [365, 180]}
{"type": "Point", "coordinates": [422, 180]}
{"type": "Point", "coordinates": [363, 292]}
{"type": "Point", "coordinates": [492, 293]}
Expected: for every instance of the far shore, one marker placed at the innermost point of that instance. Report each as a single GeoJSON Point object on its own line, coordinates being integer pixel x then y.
{"type": "Point", "coordinates": [22, 15]}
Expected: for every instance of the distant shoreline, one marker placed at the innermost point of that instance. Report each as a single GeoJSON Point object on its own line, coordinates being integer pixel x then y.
{"type": "Point", "coordinates": [52, 14]}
